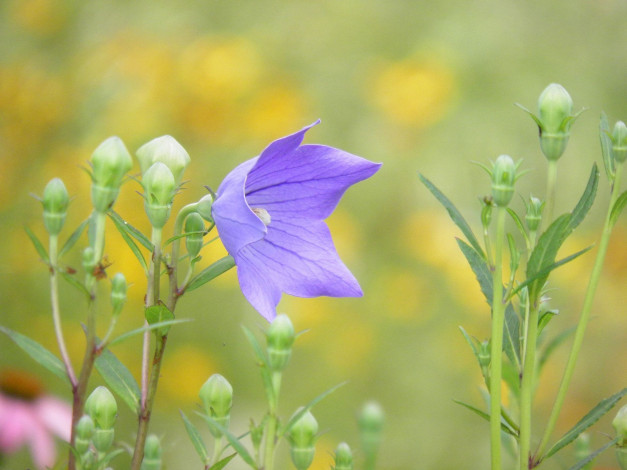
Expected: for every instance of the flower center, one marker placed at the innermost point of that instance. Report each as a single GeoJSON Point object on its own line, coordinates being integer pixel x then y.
{"type": "Point", "coordinates": [263, 215]}
{"type": "Point", "coordinates": [19, 384]}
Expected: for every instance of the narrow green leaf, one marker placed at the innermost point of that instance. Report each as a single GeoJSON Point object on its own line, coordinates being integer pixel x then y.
{"type": "Point", "coordinates": [587, 199]}
{"type": "Point", "coordinates": [455, 215]}
{"type": "Point", "coordinates": [606, 147]}
{"type": "Point", "coordinates": [582, 463]}
{"type": "Point", "coordinates": [196, 439]}
{"type": "Point", "coordinates": [588, 420]}
{"type": "Point", "coordinates": [119, 378]}
{"type": "Point", "coordinates": [470, 341]}
{"type": "Point", "coordinates": [128, 228]}
{"type": "Point", "coordinates": [262, 361]}
{"type": "Point", "coordinates": [511, 335]}
{"type": "Point", "coordinates": [38, 245]}
{"type": "Point", "coordinates": [618, 207]}
{"type": "Point", "coordinates": [73, 238]}
{"type": "Point", "coordinates": [70, 279]}
{"type": "Point", "coordinates": [545, 318]}
{"type": "Point", "coordinates": [37, 352]}
{"type": "Point", "coordinates": [307, 408]}
{"type": "Point", "coordinates": [222, 463]}
{"type": "Point", "coordinates": [519, 223]}
{"type": "Point", "coordinates": [211, 272]}
{"type": "Point", "coordinates": [119, 224]}
{"type": "Point", "coordinates": [141, 330]}
{"type": "Point", "coordinates": [480, 267]}
{"type": "Point", "coordinates": [183, 235]}
{"type": "Point", "coordinates": [233, 440]}
{"type": "Point", "coordinates": [159, 314]}
{"type": "Point", "coordinates": [504, 426]}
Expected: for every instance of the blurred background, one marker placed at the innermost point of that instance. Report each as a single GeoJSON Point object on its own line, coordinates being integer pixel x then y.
{"type": "Point", "coordinates": [422, 87]}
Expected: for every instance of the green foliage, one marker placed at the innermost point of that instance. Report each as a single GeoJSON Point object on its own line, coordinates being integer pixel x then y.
{"type": "Point", "coordinates": [119, 378]}
{"type": "Point", "coordinates": [159, 314]}
{"type": "Point", "coordinates": [210, 272]}
{"type": "Point", "coordinates": [196, 439]}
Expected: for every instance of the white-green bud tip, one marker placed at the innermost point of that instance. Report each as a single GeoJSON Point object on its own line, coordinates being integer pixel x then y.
{"type": "Point", "coordinates": [555, 108]}
{"type": "Point", "coordinates": [303, 432]}
{"type": "Point", "coordinates": [194, 223]}
{"type": "Point", "coordinates": [620, 425]}
{"type": "Point", "coordinates": [343, 457]}
{"type": "Point", "coordinates": [110, 162]}
{"type": "Point", "coordinates": [167, 150]}
{"type": "Point", "coordinates": [118, 292]}
{"type": "Point", "coordinates": [280, 338]}
{"type": "Point", "coordinates": [55, 201]}
{"type": "Point", "coordinates": [503, 179]}
{"type": "Point", "coordinates": [533, 217]}
{"type": "Point", "coordinates": [619, 142]}
{"type": "Point", "coordinates": [102, 408]}
{"type": "Point", "coordinates": [159, 189]}
{"type": "Point", "coordinates": [216, 395]}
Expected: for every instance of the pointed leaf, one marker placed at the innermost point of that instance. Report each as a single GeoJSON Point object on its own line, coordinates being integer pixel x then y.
{"type": "Point", "coordinates": [159, 314]}
{"type": "Point", "coordinates": [211, 272]}
{"type": "Point", "coordinates": [123, 225]}
{"type": "Point", "coordinates": [519, 223]}
{"type": "Point", "coordinates": [73, 238]}
{"type": "Point", "coordinates": [480, 267]}
{"type": "Point", "coordinates": [37, 352]}
{"type": "Point", "coordinates": [588, 420]}
{"type": "Point", "coordinates": [262, 361]}
{"type": "Point", "coordinates": [472, 344]}
{"type": "Point", "coordinates": [196, 439]}
{"type": "Point", "coordinates": [582, 463]}
{"type": "Point", "coordinates": [511, 335]}
{"type": "Point", "coordinates": [122, 228]}
{"type": "Point", "coordinates": [504, 426]}
{"type": "Point", "coordinates": [606, 147]}
{"type": "Point", "coordinates": [38, 245]}
{"type": "Point", "coordinates": [222, 463]}
{"type": "Point", "coordinates": [618, 207]}
{"type": "Point", "coordinates": [455, 215]}
{"type": "Point", "coordinates": [233, 440]}
{"type": "Point", "coordinates": [586, 200]}
{"type": "Point", "coordinates": [141, 330]}
{"type": "Point", "coordinates": [70, 279]}
{"type": "Point", "coordinates": [119, 378]}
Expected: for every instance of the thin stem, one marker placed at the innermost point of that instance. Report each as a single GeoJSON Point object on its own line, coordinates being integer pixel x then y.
{"type": "Point", "coordinates": [527, 385]}
{"type": "Point", "coordinates": [271, 429]}
{"type": "Point", "coordinates": [551, 184]}
{"type": "Point", "coordinates": [173, 268]}
{"type": "Point", "coordinates": [498, 314]}
{"type": "Point", "coordinates": [217, 450]}
{"type": "Point", "coordinates": [585, 315]}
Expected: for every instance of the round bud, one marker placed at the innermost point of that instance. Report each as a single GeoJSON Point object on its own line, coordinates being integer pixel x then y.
{"type": "Point", "coordinates": [102, 408]}
{"type": "Point", "coordinates": [118, 292]}
{"type": "Point", "coordinates": [343, 457]}
{"type": "Point", "coordinates": [203, 207]}
{"type": "Point", "coordinates": [194, 223]}
{"type": "Point", "coordinates": [89, 261]}
{"type": "Point", "coordinates": [152, 453]}
{"type": "Point", "coordinates": [217, 398]}
{"type": "Point", "coordinates": [620, 425]}
{"type": "Point", "coordinates": [55, 201]}
{"type": "Point", "coordinates": [503, 179]}
{"type": "Point", "coordinates": [555, 113]}
{"type": "Point", "coordinates": [159, 188]}
{"type": "Point", "coordinates": [370, 425]}
{"type": "Point", "coordinates": [619, 142]}
{"type": "Point", "coordinates": [302, 438]}
{"type": "Point", "coordinates": [84, 432]}
{"type": "Point", "coordinates": [167, 150]}
{"type": "Point", "coordinates": [280, 338]}
{"type": "Point", "coordinates": [110, 162]}
{"type": "Point", "coordinates": [534, 213]}
{"type": "Point", "coordinates": [103, 439]}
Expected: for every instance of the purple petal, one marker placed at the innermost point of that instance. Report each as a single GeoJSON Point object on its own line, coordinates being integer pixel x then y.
{"type": "Point", "coordinates": [237, 223]}
{"type": "Point", "coordinates": [307, 182]}
{"type": "Point", "coordinates": [259, 289]}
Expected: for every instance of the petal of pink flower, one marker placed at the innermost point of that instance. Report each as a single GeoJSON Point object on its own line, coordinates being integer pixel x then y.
{"type": "Point", "coordinates": [56, 416]}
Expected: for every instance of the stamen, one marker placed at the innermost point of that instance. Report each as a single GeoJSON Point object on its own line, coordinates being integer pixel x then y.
{"type": "Point", "coordinates": [263, 215]}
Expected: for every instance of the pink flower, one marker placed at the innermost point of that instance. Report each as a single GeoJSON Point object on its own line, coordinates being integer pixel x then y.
{"type": "Point", "coordinates": [27, 416]}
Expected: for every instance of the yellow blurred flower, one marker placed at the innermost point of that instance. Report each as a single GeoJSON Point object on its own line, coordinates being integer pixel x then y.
{"type": "Point", "coordinates": [405, 295]}
{"type": "Point", "coordinates": [43, 17]}
{"type": "Point", "coordinates": [184, 371]}
{"type": "Point", "coordinates": [412, 91]}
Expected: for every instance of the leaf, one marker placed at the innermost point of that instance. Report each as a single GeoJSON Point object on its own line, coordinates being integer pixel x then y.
{"type": "Point", "coordinates": [141, 330]}
{"type": "Point", "coordinates": [123, 225]}
{"type": "Point", "coordinates": [262, 361]}
{"type": "Point", "coordinates": [606, 147]}
{"type": "Point", "coordinates": [519, 224]}
{"type": "Point", "coordinates": [504, 426]}
{"type": "Point", "coordinates": [299, 414]}
{"type": "Point", "coordinates": [211, 272]}
{"type": "Point", "coordinates": [73, 238]}
{"type": "Point", "coordinates": [75, 283]}
{"type": "Point", "coordinates": [38, 245]}
{"type": "Point", "coordinates": [159, 314]}
{"type": "Point", "coordinates": [588, 420]}
{"type": "Point", "coordinates": [618, 207]}
{"type": "Point", "coordinates": [473, 344]}
{"type": "Point", "coordinates": [587, 199]}
{"type": "Point", "coordinates": [511, 335]}
{"type": "Point", "coordinates": [196, 439]}
{"type": "Point", "coordinates": [233, 440]}
{"type": "Point", "coordinates": [480, 267]}
{"type": "Point", "coordinates": [122, 228]}
{"type": "Point", "coordinates": [455, 215]}
{"type": "Point", "coordinates": [222, 463]}
{"type": "Point", "coordinates": [37, 352]}
{"type": "Point", "coordinates": [119, 378]}
{"type": "Point", "coordinates": [582, 463]}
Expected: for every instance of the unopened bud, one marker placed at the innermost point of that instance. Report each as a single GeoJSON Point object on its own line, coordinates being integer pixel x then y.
{"type": "Point", "coordinates": [583, 450]}
{"type": "Point", "coordinates": [102, 408]}
{"type": "Point", "coordinates": [110, 162]}
{"type": "Point", "coordinates": [280, 338]}
{"type": "Point", "coordinates": [555, 108]}
{"type": "Point", "coordinates": [84, 432]}
{"type": "Point", "coordinates": [89, 261]}
{"type": "Point", "coordinates": [159, 189]}
{"type": "Point", "coordinates": [217, 398]}
{"type": "Point", "coordinates": [167, 150]}
{"type": "Point", "coordinates": [371, 425]}
{"type": "Point", "coordinates": [118, 292]}
{"type": "Point", "coordinates": [302, 438]}
{"type": "Point", "coordinates": [620, 425]}
{"type": "Point", "coordinates": [193, 242]}
{"type": "Point", "coordinates": [619, 142]}
{"type": "Point", "coordinates": [343, 457]}
{"type": "Point", "coordinates": [203, 207]}
{"type": "Point", "coordinates": [55, 201]}
{"type": "Point", "coordinates": [103, 439]}
{"type": "Point", "coordinates": [534, 213]}
{"type": "Point", "coordinates": [152, 454]}
{"type": "Point", "coordinates": [486, 212]}
{"type": "Point", "coordinates": [503, 179]}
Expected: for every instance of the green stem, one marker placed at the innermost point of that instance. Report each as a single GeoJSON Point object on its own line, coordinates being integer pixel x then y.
{"type": "Point", "coordinates": [176, 244]}
{"type": "Point", "coordinates": [498, 318]}
{"type": "Point", "coordinates": [585, 315]}
{"type": "Point", "coordinates": [527, 385]}
{"type": "Point", "coordinates": [551, 185]}
{"type": "Point", "coordinates": [271, 429]}
{"type": "Point", "coordinates": [217, 450]}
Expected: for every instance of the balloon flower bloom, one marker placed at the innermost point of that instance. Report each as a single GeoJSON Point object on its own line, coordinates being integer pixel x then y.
{"type": "Point", "coordinates": [270, 213]}
{"type": "Point", "coordinates": [29, 417]}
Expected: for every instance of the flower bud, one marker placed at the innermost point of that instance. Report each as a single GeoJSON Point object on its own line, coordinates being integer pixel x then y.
{"type": "Point", "coordinates": [555, 108]}
{"type": "Point", "coordinates": [484, 357]}
{"type": "Point", "coordinates": [118, 292]}
{"type": "Point", "coordinates": [103, 439]}
{"type": "Point", "coordinates": [620, 425]}
{"type": "Point", "coordinates": [102, 408]}
{"type": "Point", "coordinates": [486, 212]}
{"type": "Point", "coordinates": [88, 461]}
{"type": "Point", "coordinates": [619, 142]}
{"type": "Point", "coordinates": [503, 179]}
{"type": "Point", "coordinates": [167, 150]}
{"type": "Point", "coordinates": [152, 453]}
{"type": "Point", "coordinates": [302, 438]}
{"type": "Point", "coordinates": [217, 398]}
{"type": "Point", "coordinates": [621, 456]}
{"type": "Point", "coordinates": [89, 261]}
{"type": "Point", "coordinates": [55, 201]}
{"type": "Point", "coordinates": [194, 223]}
{"type": "Point", "coordinates": [343, 457]}
{"type": "Point", "coordinates": [534, 213]}
{"type": "Point", "coordinates": [280, 338]}
{"type": "Point", "coordinates": [370, 426]}
{"type": "Point", "coordinates": [582, 449]}
{"type": "Point", "coordinates": [203, 207]}
{"type": "Point", "coordinates": [84, 432]}
{"type": "Point", "coordinates": [159, 189]}
{"type": "Point", "coordinates": [110, 162]}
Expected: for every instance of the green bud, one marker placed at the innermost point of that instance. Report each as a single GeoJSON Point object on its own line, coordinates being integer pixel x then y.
{"type": "Point", "coordinates": [583, 450]}
{"type": "Point", "coordinates": [280, 338]}
{"type": "Point", "coordinates": [103, 439]}
{"type": "Point", "coordinates": [159, 190]}
{"type": "Point", "coordinates": [555, 108]}
{"type": "Point", "coordinates": [621, 456]}
{"type": "Point", "coordinates": [619, 142]}
{"type": "Point", "coordinates": [484, 357]}
{"type": "Point", "coordinates": [620, 425]}
{"type": "Point", "coordinates": [152, 454]}
{"type": "Point", "coordinates": [102, 408]}
{"type": "Point", "coordinates": [370, 426]}
{"type": "Point", "coordinates": [110, 162]}
{"type": "Point", "coordinates": [302, 438]}
{"type": "Point", "coordinates": [194, 223]}
{"type": "Point", "coordinates": [118, 292]}
{"type": "Point", "coordinates": [167, 150]}
{"type": "Point", "coordinates": [503, 179]}
{"type": "Point", "coordinates": [486, 212]}
{"type": "Point", "coordinates": [55, 201]}
{"type": "Point", "coordinates": [256, 434]}
{"type": "Point", "coordinates": [343, 457]}
{"type": "Point", "coordinates": [88, 461]}
{"type": "Point", "coordinates": [534, 213]}
{"type": "Point", "coordinates": [203, 207]}
{"type": "Point", "coordinates": [217, 398]}
{"type": "Point", "coordinates": [89, 261]}
{"type": "Point", "coordinates": [84, 432]}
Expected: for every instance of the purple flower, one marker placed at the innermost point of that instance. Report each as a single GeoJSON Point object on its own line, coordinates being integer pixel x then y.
{"type": "Point", "coordinates": [270, 213]}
